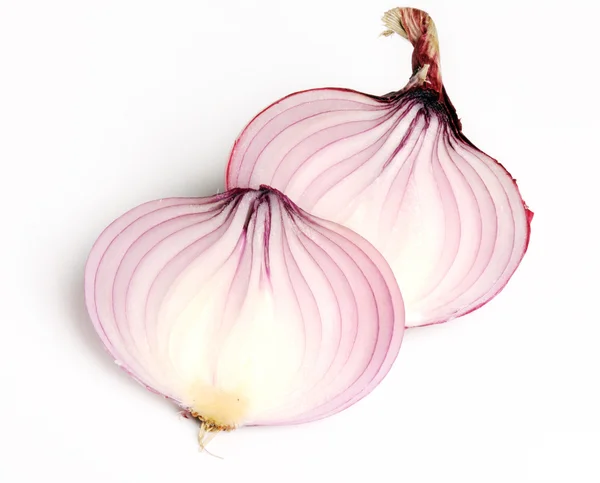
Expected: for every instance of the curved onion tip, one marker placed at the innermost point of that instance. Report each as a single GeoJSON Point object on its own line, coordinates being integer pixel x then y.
{"type": "Point", "coordinates": [397, 169]}
{"type": "Point", "coordinates": [244, 309]}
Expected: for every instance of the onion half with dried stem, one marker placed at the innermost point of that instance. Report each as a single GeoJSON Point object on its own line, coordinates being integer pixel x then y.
{"type": "Point", "coordinates": [398, 170]}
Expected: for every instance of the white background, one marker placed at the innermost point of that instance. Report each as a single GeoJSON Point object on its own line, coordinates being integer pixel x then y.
{"type": "Point", "coordinates": [107, 104]}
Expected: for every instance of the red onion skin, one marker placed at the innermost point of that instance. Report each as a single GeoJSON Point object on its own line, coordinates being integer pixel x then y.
{"type": "Point", "coordinates": [419, 29]}
{"type": "Point", "coordinates": [420, 32]}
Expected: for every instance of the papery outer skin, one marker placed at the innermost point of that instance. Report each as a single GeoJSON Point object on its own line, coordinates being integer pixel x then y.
{"type": "Point", "coordinates": [372, 162]}
{"type": "Point", "coordinates": [174, 287]}
{"type": "Point", "coordinates": [418, 28]}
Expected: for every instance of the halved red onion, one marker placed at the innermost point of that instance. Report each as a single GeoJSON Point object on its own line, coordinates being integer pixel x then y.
{"type": "Point", "coordinates": [398, 170]}
{"type": "Point", "coordinates": [244, 309]}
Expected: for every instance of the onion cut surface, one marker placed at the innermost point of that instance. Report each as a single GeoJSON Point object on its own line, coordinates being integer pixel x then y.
{"type": "Point", "coordinates": [396, 169]}
{"type": "Point", "coordinates": [244, 309]}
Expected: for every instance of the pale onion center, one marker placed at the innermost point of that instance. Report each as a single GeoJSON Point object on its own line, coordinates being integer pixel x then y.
{"type": "Point", "coordinates": [237, 367]}
{"type": "Point", "coordinates": [412, 241]}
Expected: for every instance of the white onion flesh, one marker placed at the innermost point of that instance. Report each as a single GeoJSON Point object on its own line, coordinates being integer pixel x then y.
{"type": "Point", "coordinates": [448, 218]}
{"type": "Point", "coordinates": [244, 309]}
